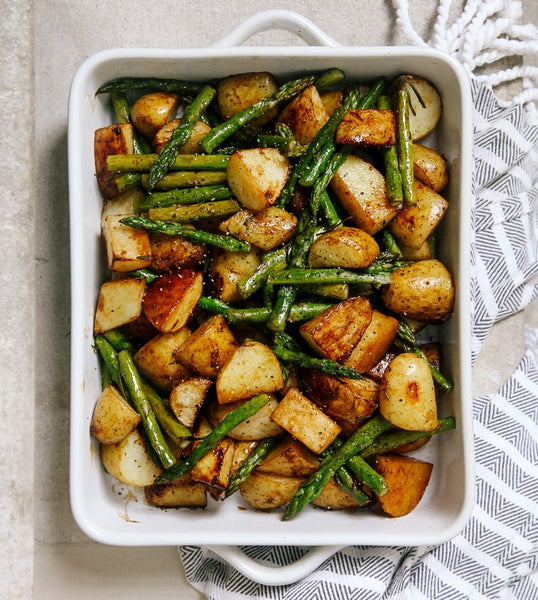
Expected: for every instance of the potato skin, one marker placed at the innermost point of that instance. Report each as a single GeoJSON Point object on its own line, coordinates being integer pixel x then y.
{"type": "Point", "coordinates": [152, 111]}
{"type": "Point", "coordinates": [422, 291]}
{"type": "Point", "coordinates": [346, 247]}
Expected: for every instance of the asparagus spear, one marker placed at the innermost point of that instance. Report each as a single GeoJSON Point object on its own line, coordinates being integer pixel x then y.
{"type": "Point", "coordinates": [128, 163]}
{"type": "Point", "coordinates": [153, 84]}
{"type": "Point", "coordinates": [194, 212]}
{"type": "Point", "coordinates": [271, 261]}
{"type": "Point", "coordinates": [182, 196]}
{"type": "Point", "coordinates": [405, 147]}
{"type": "Point", "coordinates": [286, 92]}
{"type": "Point", "coordinates": [194, 235]}
{"type": "Point", "coordinates": [390, 158]}
{"type": "Point", "coordinates": [328, 275]}
{"type": "Point", "coordinates": [180, 135]}
{"type": "Point", "coordinates": [122, 112]}
{"type": "Point", "coordinates": [166, 419]}
{"type": "Point", "coordinates": [394, 439]}
{"type": "Point", "coordinates": [313, 486]}
{"type": "Point", "coordinates": [345, 479]}
{"type": "Point", "coordinates": [367, 475]}
{"type": "Point", "coordinates": [183, 179]}
{"type": "Point", "coordinates": [234, 418]}
{"type": "Point", "coordinates": [133, 382]}
{"type": "Point", "coordinates": [242, 472]}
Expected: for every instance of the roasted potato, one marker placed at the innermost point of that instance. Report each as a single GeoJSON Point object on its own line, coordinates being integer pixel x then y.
{"type": "Point", "coordinates": [346, 247]}
{"type": "Point", "coordinates": [113, 139]}
{"type": "Point", "coordinates": [119, 302]}
{"type": "Point", "coordinates": [152, 111]}
{"type": "Point", "coordinates": [290, 458]}
{"type": "Point", "coordinates": [187, 398]}
{"type": "Point", "coordinates": [429, 167]}
{"type": "Point", "coordinates": [180, 493]}
{"type": "Point", "coordinates": [426, 106]}
{"type": "Point", "coordinates": [127, 249]}
{"type": "Point", "coordinates": [191, 146]}
{"type": "Point", "coordinates": [367, 127]}
{"type": "Point", "coordinates": [226, 270]}
{"type": "Point", "coordinates": [305, 115]}
{"type": "Point", "coordinates": [265, 491]}
{"type": "Point", "coordinates": [113, 417]}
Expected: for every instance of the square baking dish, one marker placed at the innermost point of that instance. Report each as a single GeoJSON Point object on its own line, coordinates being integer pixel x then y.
{"type": "Point", "coordinates": [110, 513]}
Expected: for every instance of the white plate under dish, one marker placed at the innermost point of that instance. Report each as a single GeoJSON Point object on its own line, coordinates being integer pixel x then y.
{"type": "Point", "coordinates": [107, 512]}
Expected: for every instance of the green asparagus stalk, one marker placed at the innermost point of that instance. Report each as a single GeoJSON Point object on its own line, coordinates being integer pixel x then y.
{"type": "Point", "coordinates": [148, 274]}
{"type": "Point", "coordinates": [389, 441]}
{"type": "Point", "coordinates": [166, 419]}
{"type": "Point", "coordinates": [218, 135]}
{"type": "Point", "coordinates": [134, 384]}
{"type": "Point", "coordinates": [122, 112]}
{"type": "Point", "coordinates": [127, 181]}
{"type": "Point", "coordinates": [328, 275]}
{"type": "Point", "coordinates": [234, 418]}
{"type": "Point", "coordinates": [118, 340]}
{"type": "Point", "coordinates": [406, 340]}
{"type": "Point", "coordinates": [390, 158]}
{"type": "Point", "coordinates": [190, 213]}
{"type": "Point", "coordinates": [226, 242]}
{"type": "Point", "coordinates": [288, 146]}
{"type": "Point", "coordinates": [150, 84]}
{"type": "Point", "coordinates": [241, 474]}
{"type": "Point", "coordinates": [182, 196]}
{"type": "Point", "coordinates": [309, 362]}
{"type": "Point", "coordinates": [405, 148]}
{"type": "Point", "coordinates": [187, 179]}
{"type": "Point", "coordinates": [130, 163]}
{"type": "Point", "coordinates": [313, 486]}
{"type": "Point", "coordinates": [271, 261]}
{"type": "Point", "coordinates": [110, 357]}
{"type": "Point", "coordinates": [180, 135]}
{"type": "Point", "coordinates": [345, 479]}
{"type": "Point", "coordinates": [391, 244]}
{"type": "Point", "coordinates": [367, 475]}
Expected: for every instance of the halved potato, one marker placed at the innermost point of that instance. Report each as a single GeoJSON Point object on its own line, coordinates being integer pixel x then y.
{"type": "Point", "coordinates": [407, 479]}
{"type": "Point", "coordinates": [236, 93]}
{"type": "Point", "coordinates": [119, 302]}
{"type": "Point", "coordinates": [266, 229]}
{"type": "Point", "coordinates": [112, 139]}
{"type": "Point", "coordinates": [227, 268]}
{"type": "Point", "coordinates": [335, 331]}
{"type": "Point", "coordinates": [407, 394]}
{"type": "Point", "coordinates": [422, 291]}
{"type": "Point", "coordinates": [188, 397]}
{"type": "Point", "coordinates": [182, 492]}
{"type": "Point", "coordinates": [170, 299]}
{"type": "Point", "coordinates": [289, 458]}
{"type": "Point", "coordinates": [265, 491]}
{"type": "Point", "coordinates": [430, 167]}
{"type": "Point", "coordinates": [256, 176]}
{"type": "Point", "coordinates": [113, 417]}
{"type": "Point", "coordinates": [257, 427]}
{"type": "Point", "coordinates": [425, 113]}
{"type": "Point", "coordinates": [252, 369]}
{"type": "Point", "coordinates": [346, 247]}
{"type": "Point", "coordinates": [129, 462]}
{"type": "Point", "coordinates": [366, 128]}
{"type": "Point", "coordinates": [127, 248]}
{"type": "Point", "coordinates": [157, 359]}
{"type": "Point", "coordinates": [305, 115]}
{"type": "Point", "coordinates": [362, 191]}
{"type": "Point", "coordinates": [300, 417]}
{"type": "Point", "coordinates": [209, 347]}
{"type": "Point", "coordinates": [151, 111]}
{"type": "Point", "coordinates": [214, 469]}
{"type": "Point", "coordinates": [414, 224]}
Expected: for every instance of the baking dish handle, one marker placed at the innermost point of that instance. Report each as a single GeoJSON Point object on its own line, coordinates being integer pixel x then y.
{"type": "Point", "coordinates": [267, 575]}
{"type": "Point", "coordinates": [277, 19]}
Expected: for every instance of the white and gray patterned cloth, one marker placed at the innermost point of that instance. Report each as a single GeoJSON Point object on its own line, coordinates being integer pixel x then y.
{"type": "Point", "coordinates": [496, 555]}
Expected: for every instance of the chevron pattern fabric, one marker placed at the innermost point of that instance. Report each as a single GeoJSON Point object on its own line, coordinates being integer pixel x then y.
{"type": "Point", "coordinates": [496, 556]}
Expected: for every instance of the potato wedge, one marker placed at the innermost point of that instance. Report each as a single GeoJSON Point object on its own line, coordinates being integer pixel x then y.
{"type": "Point", "coordinates": [208, 348]}
{"type": "Point", "coordinates": [264, 491]}
{"type": "Point", "coordinates": [346, 247]}
{"type": "Point", "coordinates": [180, 493]}
{"type": "Point", "coordinates": [333, 497]}
{"type": "Point", "coordinates": [122, 204]}
{"type": "Point", "coordinates": [119, 302]}
{"type": "Point", "coordinates": [367, 128]}
{"type": "Point", "coordinates": [407, 479]}
{"type": "Point", "coordinates": [425, 113]}
{"type": "Point", "coordinates": [158, 359]}
{"type": "Point", "coordinates": [238, 92]}
{"type": "Point", "coordinates": [256, 176]}
{"type": "Point", "coordinates": [362, 191]}
{"type": "Point", "coordinates": [191, 146]}
{"type": "Point", "coordinates": [113, 417]}
{"type": "Point", "coordinates": [331, 99]}
{"type": "Point", "coordinates": [374, 342]}
{"type": "Point", "coordinates": [257, 427]}
{"type": "Point", "coordinates": [188, 397]}
{"type": "Point", "coordinates": [127, 248]}
{"type": "Point", "coordinates": [214, 469]}
{"type": "Point", "coordinates": [129, 462]}
{"type": "Point", "coordinates": [169, 252]}
{"type": "Point", "coordinates": [347, 401]}
{"type": "Point", "coordinates": [335, 331]}
{"type": "Point", "coordinates": [413, 225]}
{"type": "Point", "coordinates": [266, 229]}
{"type": "Point", "coordinates": [151, 111]}
{"type": "Point", "coordinates": [407, 394]}
{"type": "Point", "coordinates": [300, 417]}
{"type": "Point", "coordinates": [113, 139]}
{"type": "Point", "coordinates": [305, 115]}
{"type": "Point", "coordinates": [226, 269]}
{"type": "Point", "coordinates": [242, 450]}
{"type": "Point", "coordinates": [429, 167]}
{"type": "Point", "coordinates": [289, 458]}
{"type": "Point", "coordinates": [236, 380]}
{"type": "Point", "coordinates": [422, 291]}
{"type": "Point", "coordinates": [171, 298]}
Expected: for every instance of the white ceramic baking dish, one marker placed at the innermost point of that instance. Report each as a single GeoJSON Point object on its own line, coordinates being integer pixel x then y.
{"type": "Point", "coordinates": [107, 512]}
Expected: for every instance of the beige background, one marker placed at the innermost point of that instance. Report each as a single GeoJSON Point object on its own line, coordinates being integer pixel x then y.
{"type": "Point", "coordinates": [43, 554]}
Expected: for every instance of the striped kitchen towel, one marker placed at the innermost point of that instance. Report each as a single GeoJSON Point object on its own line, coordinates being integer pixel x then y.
{"type": "Point", "coordinates": [496, 555]}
